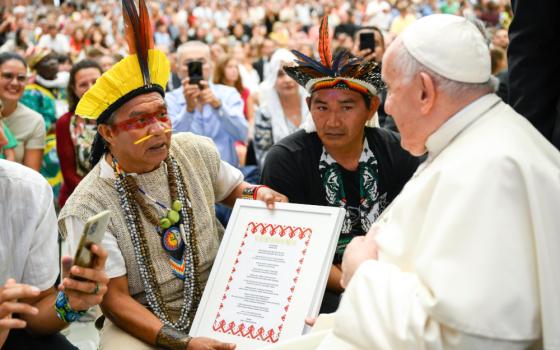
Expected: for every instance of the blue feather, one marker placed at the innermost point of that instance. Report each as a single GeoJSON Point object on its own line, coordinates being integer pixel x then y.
{"type": "Point", "coordinates": [305, 60]}
{"type": "Point", "coordinates": [338, 59]}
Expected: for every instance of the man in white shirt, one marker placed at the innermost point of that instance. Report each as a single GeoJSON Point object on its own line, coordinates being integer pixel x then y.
{"type": "Point", "coordinates": [29, 265]}
{"type": "Point", "coordinates": [466, 257]}
{"type": "Point", "coordinates": [54, 41]}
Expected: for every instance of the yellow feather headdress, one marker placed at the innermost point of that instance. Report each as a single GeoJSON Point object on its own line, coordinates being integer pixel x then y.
{"type": "Point", "coordinates": [145, 70]}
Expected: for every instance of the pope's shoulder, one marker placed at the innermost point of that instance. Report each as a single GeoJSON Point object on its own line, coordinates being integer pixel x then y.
{"type": "Point", "coordinates": [502, 139]}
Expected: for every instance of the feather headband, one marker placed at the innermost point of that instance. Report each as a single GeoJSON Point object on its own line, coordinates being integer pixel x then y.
{"type": "Point", "coordinates": [344, 71]}
{"type": "Point", "coordinates": [144, 70]}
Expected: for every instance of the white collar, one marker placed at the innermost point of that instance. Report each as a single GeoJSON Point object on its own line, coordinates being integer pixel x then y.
{"type": "Point", "coordinates": [105, 169]}
{"type": "Point", "coordinates": [457, 123]}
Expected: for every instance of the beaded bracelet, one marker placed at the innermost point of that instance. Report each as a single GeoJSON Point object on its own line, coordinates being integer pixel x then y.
{"type": "Point", "coordinates": [172, 339]}
{"type": "Point", "coordinates": [64, 311]}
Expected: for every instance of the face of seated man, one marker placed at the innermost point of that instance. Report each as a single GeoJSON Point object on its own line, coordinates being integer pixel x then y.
{"type": "Point", "coordinates": [139, 134]}
{"type": "Point", "coordinates": [340, 117]}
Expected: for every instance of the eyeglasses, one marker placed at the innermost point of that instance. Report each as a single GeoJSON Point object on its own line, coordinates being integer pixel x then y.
{"type": "Point", "coordinates": [9, 76]}
{"type": "Point", "coordinates": [142, 121]}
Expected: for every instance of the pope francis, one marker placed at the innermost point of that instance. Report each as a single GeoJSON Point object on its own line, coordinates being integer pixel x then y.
{"type": "Point", "coordinates": [467, 256]}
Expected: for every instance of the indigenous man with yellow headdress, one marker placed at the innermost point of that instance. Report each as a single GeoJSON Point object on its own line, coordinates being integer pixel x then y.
{"type": "Point", "coordinates": [163, 235]}
{"type": "Point", "coordinates": [337, 160]}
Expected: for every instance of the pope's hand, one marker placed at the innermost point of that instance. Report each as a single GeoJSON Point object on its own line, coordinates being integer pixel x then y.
{"type": "Point", "coordinates": [88, 292]}
{"type": "Point", "coordinates": [202, 343]}
{"type": "Point", "coordinates": [269, 196]}
{"type": "Point", "coordinates": [358, 250]}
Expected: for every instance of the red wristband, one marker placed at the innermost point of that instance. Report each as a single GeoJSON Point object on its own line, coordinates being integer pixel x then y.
{"type": "Point", "coordinates": [257, 189]}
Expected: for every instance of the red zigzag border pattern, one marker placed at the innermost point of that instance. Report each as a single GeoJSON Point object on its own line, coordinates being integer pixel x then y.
{"type": "Point", "coordinates": [271, 335]}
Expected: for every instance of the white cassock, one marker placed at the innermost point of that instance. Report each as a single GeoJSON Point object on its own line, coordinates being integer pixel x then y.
{"type": "Point", "coordinates": [469, 252]}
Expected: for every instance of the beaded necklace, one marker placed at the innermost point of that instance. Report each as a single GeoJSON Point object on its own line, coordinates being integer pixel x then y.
{"type": "Point", "coordinates": [132, 201]}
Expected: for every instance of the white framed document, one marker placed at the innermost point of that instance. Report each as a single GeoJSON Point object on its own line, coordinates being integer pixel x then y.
{"type": "Point", "coordinates": [270, 273]}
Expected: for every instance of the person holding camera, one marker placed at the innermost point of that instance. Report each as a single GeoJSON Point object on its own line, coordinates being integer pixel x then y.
{"type": "Point", "coordinates": [204, 108]}
{"type": "Point", "coordinates": [207, 109]}
{"type": "Point", "coordinates": [369, 43]}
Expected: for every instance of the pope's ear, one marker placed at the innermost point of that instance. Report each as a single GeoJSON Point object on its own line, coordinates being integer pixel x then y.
{"type": "Point", "coordinates": [429, 92]}
{"type": "Point", "coordinates": [107, 132]}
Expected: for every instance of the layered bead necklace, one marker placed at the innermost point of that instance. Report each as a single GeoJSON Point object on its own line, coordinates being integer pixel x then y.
{"type": "Point", "coordinates": [178, 237]}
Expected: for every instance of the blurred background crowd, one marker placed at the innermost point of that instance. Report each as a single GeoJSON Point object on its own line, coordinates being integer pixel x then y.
{"type": "Point", "coordinates": [51, 52]}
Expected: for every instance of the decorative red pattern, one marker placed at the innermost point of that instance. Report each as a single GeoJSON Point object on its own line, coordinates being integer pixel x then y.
{"type": "Point", "coordinates": [272, 335]}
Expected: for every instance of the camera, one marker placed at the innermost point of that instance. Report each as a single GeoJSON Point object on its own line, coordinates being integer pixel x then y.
{"type": "Point", "coordinates": [195, 72]}
{"type": "Point", "coordinates": [367, 41]}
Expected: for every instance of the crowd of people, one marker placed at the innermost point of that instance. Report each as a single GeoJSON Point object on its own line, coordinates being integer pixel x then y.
{"type": "Point", "coordinates": [166, 122]}
{"type": "Point", "coordinates": [241, 40]}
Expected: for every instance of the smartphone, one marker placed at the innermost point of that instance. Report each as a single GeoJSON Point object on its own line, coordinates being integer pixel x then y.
{"type": "Point", "coordinates": [195, 72]}
{"type": "Point", "coordinates": [367, 41]}
{"type": "Point", "coordinates": [92, 233]}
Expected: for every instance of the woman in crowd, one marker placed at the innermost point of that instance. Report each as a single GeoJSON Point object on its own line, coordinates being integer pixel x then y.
{"type": "Point", "coordinates": [227, 73]}
{"type": "Point", "coordinates": [74, 134]}
{"type": "Point", "coordinates": [26, 125]}
{"type": "Point", "coordinates": [282, 106]}
{"type": "Point", "coordinates": [78, 42]}
{"type": "Point", "coordinates": [249, 76]}
{"type": "Point", "coordinates": [97, 39]}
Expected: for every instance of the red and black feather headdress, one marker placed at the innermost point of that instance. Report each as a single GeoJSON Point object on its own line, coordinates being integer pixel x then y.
{"type": "Point", "coordinates": [343, 71]}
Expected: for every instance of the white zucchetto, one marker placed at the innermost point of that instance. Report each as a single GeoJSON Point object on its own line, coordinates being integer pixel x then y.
{"type": "Point", "coordinates": [451, 46]}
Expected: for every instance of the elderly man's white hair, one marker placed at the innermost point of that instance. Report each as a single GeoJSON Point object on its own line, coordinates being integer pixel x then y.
{"type": "Point", "coordinates": [189, 45]}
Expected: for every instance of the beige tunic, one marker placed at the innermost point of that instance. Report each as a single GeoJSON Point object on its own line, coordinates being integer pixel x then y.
{"type": "Point", "coordinates": [200, 164]}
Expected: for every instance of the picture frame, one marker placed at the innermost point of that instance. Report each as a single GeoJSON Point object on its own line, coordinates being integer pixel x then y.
{"type": "Point", "coordinates": [270, 273]}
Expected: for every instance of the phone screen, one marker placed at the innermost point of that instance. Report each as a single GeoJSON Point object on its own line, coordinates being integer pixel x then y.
{"type": "Point", "coordinates": [367, 41]}
{"type": "Point", "coordinates": [195, 72]}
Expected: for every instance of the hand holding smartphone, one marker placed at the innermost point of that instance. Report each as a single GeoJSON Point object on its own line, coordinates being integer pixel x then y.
{"type": "Point", "coordinates": [367, 41]}
{"type": "Point", "coordinates": [84, 280]}
{"type": "Point", "coordinates": [92, 233]}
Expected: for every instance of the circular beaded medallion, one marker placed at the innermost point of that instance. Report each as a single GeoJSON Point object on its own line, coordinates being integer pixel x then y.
{"type": "Point", "coordinates": [171, 240]}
